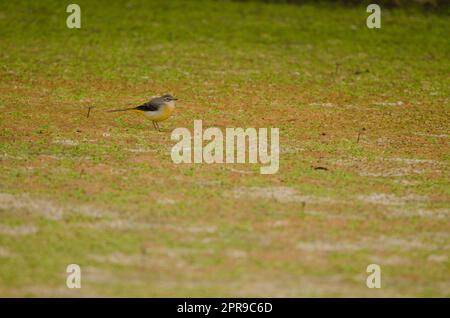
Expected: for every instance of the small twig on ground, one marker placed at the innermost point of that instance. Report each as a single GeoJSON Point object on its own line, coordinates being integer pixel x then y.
{"type": "Point", "coordinates": [89, 110]}
{"type": "Point", "coordinates": [320, 168]}
{"type": "Point", "coordinates": [359, 134]}
{"type": "Point", "coordinates": [337, 69]}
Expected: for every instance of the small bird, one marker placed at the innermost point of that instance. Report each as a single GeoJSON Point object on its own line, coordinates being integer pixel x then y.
{"type": "Point", "coordinates": [157, 109]}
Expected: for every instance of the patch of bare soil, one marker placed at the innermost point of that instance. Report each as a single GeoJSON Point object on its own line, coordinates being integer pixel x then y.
{"type": "Point", "coordinates": [425, 213]}
{"type": "Point", "coordinates": [279, 194]}
{"type": "Point", "coordinates": [129, 225]}
{"type": "Point", "coordinates": [48, 209]}
{"type": "Point", "coordinates": [20, 230]}
{"type": "Point", "coordinates": [390, 199]}
{"type": "Point", "coordinates": [139, 260]}
{"type": "Point", "coordinates": [5, 253]}
{"type": "Point", "coordinates": [391, 167]}
{"type": "Point", "coordinates": [383, 243]}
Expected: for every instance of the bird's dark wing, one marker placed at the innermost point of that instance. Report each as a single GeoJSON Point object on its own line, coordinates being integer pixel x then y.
{"type": "Point", "coordinates": [153, 105]}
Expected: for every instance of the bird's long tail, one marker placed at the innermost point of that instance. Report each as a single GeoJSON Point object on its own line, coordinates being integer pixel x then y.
{"type": "Point", "coordinates": [120, 110]}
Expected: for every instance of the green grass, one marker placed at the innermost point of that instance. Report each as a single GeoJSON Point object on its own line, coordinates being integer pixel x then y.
{"type": "Point", "coordinates": [102, 192]}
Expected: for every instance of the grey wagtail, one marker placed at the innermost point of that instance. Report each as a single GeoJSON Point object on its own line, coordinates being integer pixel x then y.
{"type": "Point", "coordinates": [157, 109]}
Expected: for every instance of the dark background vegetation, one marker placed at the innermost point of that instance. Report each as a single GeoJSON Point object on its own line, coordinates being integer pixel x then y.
{"type": "Point", "coordinates": [390, 3]}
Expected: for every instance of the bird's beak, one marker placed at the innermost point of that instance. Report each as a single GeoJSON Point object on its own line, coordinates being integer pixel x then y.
{"type": "Point", "coordinates": [175, 98]}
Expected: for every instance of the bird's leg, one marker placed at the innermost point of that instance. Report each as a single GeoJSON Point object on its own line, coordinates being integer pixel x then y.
{"type": "Point", "coordinates": [154, 125]}
{"type": "Point", "coordinates": [157, 125]}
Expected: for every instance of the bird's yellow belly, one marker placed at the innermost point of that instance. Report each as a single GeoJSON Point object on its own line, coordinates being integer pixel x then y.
{"type": "Point", "coordinates": [161, 114]}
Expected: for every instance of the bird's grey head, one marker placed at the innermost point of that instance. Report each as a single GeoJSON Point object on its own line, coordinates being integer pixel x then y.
{"type": "Point", "coordinates": [168, 98]}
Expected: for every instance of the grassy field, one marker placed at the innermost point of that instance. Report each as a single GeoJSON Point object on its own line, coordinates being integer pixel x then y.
{"type": "Point", "coordinates": [103, 192]}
